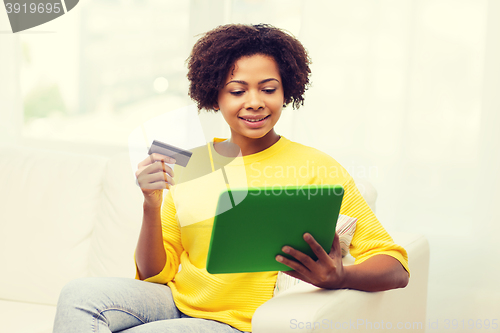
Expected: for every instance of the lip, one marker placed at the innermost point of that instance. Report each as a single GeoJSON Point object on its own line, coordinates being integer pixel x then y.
{"type": "Point", "coordinates": [254, 124]}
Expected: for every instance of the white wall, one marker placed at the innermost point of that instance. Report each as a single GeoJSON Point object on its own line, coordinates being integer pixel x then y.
{"type": "Point", "coordinates": [409, 90]}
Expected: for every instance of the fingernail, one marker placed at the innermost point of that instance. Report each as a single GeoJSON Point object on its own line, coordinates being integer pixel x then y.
{"type": "Point", "coordinates": [279, 258]}
{"type": "Point", "coordinates": [286, 249]}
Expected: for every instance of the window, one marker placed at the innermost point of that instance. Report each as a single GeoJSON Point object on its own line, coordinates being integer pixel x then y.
{"type": "Point", "coordinates": [103, 69]}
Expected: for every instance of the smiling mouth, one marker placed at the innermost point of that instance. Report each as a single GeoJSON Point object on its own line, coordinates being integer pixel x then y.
{"type": "Point", "coordinates": [254, 120]}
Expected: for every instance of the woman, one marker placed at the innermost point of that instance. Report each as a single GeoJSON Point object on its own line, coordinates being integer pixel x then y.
{"type": "Point", "coordinates": [248, 73]}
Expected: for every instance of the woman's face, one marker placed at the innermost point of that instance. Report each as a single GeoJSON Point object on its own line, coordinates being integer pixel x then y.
{"type": "Point", "coordinates": [252, 97]}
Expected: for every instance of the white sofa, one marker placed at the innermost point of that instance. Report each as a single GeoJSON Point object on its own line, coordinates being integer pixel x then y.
{"type": "Point", "coordinates": [68, 215]}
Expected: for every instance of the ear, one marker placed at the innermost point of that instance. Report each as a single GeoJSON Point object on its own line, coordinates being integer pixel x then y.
{"type": "Point", "coordinates": [216, 107]}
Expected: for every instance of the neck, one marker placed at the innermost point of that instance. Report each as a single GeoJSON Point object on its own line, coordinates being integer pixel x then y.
{"type": "Point", "coordinates": [250, 146]}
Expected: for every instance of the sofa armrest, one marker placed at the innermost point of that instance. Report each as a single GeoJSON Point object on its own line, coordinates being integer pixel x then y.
{"type": "Point", "coordinates": [306, 308]}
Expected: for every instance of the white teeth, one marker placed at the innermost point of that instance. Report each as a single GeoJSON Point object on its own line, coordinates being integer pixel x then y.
{"type": "Point", "coordinates": [255, 120]}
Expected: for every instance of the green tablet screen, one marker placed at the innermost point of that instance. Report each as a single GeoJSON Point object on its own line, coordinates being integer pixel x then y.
{"type": "Point", "coordinates": [248, 236]}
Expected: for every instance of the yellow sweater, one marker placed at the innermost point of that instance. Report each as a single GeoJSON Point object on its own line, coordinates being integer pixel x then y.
{"type": "Point", "coordinates": [187, 218]}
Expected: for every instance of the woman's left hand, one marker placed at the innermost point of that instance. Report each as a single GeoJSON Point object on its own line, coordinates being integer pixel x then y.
{"type": "Point", "coordinates": [326, 272]}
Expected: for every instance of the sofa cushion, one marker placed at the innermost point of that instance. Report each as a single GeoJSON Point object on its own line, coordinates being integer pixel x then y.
{"type": "Point", "coordinates": [49, 205]}
{"type": "Point", "coordinates": [119, 220]}
{"type": "Point", "coordinates": [20, 317]}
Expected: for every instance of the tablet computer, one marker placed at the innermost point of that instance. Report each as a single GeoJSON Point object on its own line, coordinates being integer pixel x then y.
{"type": "Point", "coordinates": [248, 236]}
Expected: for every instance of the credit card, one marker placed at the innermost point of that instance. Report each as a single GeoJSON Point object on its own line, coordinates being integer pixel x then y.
{"type": "Point", "coordinates": [181, 156]}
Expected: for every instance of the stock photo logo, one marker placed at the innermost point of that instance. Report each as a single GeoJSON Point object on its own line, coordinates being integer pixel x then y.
{"type": "Point", "coordinates": [26, 14]}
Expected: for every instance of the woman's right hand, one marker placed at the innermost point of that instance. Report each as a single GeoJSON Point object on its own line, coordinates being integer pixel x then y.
{"type": "Point", "coordinates": [153, 176]}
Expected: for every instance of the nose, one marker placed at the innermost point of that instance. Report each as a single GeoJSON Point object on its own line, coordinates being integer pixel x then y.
{"type": "Point", "coordinates": [254, 100]}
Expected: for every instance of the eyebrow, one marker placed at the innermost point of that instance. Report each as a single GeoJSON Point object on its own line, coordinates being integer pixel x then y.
{"type": "Point", "coordinates": [246, 83]}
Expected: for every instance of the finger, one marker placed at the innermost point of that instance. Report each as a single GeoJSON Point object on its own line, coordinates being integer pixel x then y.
{"type": "Point", "coordinates": [150, 160]}
{"type": "Point", "coordinates": [160, 157]}
{"type": "Point", "coordinates": [316, 247]}
{"type": "Point", "coordinates": [158, 166]}
{"type": "Point", "coordinates": [151, 185]}
{"type": "Point", "coordinates": [168, 170]}
{"type": "Point", "coordinates": [149, 169]}
{"type": "Point", "coordinates": [168, 179]}
{"type": "Point", "coordinates": [156, 186]}
{"type": "Point", "coordinates": [295, 265]}
{"type": "Point", "coordinates": [297, 275]}
{"type": "Point", "coordinates": [336, 250]}
{"type": "Point", "coordinates": [159, 176]}
{"type": "Point", "coordinates": [155, 157]}
{"type": "Point", "coordinates": [145, 180]}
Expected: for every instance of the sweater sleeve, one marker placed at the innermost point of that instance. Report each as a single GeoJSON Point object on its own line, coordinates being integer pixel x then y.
{"type": "Point", "coordinates": [370, 237]}
{"type": "Point", "coordinates": [171, 243]}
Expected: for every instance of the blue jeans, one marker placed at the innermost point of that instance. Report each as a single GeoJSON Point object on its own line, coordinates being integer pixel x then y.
{"type": "Point", "coordinates": [125, 306]}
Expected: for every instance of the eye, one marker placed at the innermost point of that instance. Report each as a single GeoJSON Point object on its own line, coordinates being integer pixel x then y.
{"type": "Point", "coordinates": [269, 91]}
{"type": "Point", "coordinates": [236, 93]}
